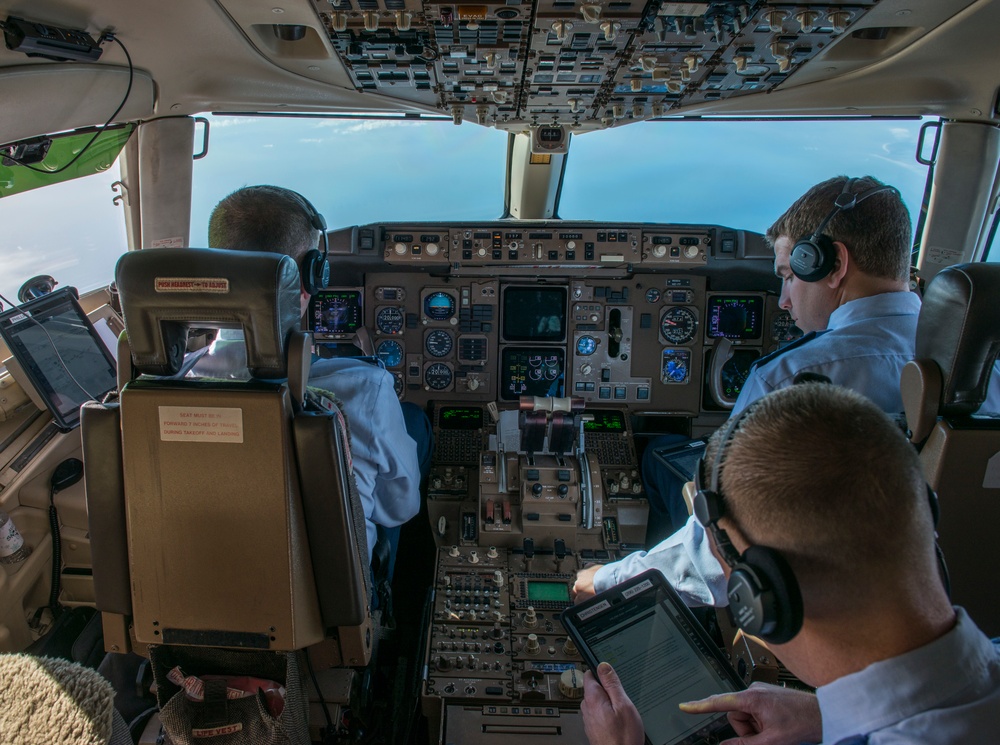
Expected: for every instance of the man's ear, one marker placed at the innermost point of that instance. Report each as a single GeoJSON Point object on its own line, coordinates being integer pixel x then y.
{"type": "Point", "coordinates": [841, 264]}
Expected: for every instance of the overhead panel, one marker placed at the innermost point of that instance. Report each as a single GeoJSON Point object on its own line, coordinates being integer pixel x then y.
{"type": "Point", "coordinates": [584, 64]}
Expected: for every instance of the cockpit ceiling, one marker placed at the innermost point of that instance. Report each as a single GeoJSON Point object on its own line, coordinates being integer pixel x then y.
{"type": "Point", "coordinates": [513, 64]}
{"type": "Point", "coordinates": [590, 64]}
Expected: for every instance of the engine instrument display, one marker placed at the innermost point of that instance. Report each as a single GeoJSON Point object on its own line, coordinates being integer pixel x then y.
{"type": "Point", "coordinates": [528, 371]}
{"type": "Point", "coordinates": [336, 313]}
{"type": "Point", "coordinates": [439, 343]}
{"type": "Point", "coordinates": [439, 306]}
{"type": "Point", "coordinates": [389, 320]}
{"type": "Point", "coordinates": [390, 352]}
{"type": "Point", "coordinates": [438, 376]}
{"type": "Point", "coordinates": [678, 325]}
{"type": "Point", "coordinates": [735, 317]}
{"type": "Point", "coordinates": [675, 366]}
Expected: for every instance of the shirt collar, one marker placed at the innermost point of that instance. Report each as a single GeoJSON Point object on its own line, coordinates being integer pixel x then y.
{"type": "Point", "coordinates": [887, 692]}
{"type": "Point", "coordinates": [903, 303]}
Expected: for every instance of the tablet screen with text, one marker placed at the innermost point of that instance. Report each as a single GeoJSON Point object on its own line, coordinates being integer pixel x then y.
{"type": "Point", "coordinates": [660, 652]}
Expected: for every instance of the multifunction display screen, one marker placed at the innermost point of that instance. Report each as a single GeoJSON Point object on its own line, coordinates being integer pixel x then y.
{"type": "Point", "coordinates": [534, 314]}
{"type": "Point", "coordinates": [526, 371]}
{"type": "Point", "coordinates": [336, 313]}
{"type": "Point", "coordinates": [735, 317]}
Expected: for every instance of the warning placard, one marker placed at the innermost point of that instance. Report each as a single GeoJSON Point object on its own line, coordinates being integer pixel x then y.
{"type": "Point", "coordinates": [201, 424]}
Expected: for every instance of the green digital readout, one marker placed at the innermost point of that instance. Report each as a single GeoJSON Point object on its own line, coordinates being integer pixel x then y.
{"type": "Point", "coordinates": [605, 421]}
{"type": "Point", "coordinates": [556, 592]}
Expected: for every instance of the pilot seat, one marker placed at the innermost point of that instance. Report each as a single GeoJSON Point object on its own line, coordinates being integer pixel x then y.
{"type": "Point", "coordinates": [958, 341]}
{"type": "Point", "coordinates": [227, 531]}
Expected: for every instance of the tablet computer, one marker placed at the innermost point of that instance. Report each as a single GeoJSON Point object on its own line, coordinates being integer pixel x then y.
{"type": "Point", "coordinates": [661, 654]}
{"type": "Point", "coordinates": [681, 459]}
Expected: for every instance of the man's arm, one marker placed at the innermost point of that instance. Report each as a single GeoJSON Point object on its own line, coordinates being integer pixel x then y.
{"type": "Point", "coordinates": [397, 485]}
{"type": "Point", "coordinates": [685, 559]}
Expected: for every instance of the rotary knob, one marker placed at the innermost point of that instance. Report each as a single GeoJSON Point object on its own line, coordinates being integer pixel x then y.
{"type": "Point", "coordinates": [531, 647]}
{"type": "Point", "coordinates": [498, 578]}
{"type": "Point", "coordinates": [530, 619]}
{"type": "Point", "coordinates": [400, 248]}
{"type": "Point", "coordinates": [691, 252]}
{"type": "Point", "coordinates": [569, 648]}
{"type": "Point", "coordinates": [659, 250]}
{"type": "Point", "coordinates": [432, 249]}
{"type": "Point", "coordinates": [571, 683]}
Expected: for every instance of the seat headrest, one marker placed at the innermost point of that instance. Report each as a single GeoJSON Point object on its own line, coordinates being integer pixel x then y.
{"type": "Point", "coordinates": [959, 329]}
{"type": "Point", "coordinates": [166, 291]}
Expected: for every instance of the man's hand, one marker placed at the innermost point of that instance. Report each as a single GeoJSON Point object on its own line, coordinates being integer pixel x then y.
{"type": "Point", "coordinates": [765, 715]}
{"type": "Point", "coordinates": [583, 588]}
{"type": "Point", "coordinates": [609, 718]}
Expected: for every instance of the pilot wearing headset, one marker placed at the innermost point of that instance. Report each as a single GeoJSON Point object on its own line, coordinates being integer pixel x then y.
{"type": "Point", "coordinates": [842, 251]}
{"type": "Point", "coordinates": [817, 507]}
{"type": "Point", "coordinates": [389, 449]}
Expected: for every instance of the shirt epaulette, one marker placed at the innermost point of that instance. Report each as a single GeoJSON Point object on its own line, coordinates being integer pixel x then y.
{"type": "Point", "coordinates": [787, 348]}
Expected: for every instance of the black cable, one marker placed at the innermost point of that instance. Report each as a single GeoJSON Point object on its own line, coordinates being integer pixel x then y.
{"type": "Point", "coordinates": [56, 555]}
{"type": "Point", "coordinates": [107, 36]}
{"type": "Point", "coordinates": [331, 731]}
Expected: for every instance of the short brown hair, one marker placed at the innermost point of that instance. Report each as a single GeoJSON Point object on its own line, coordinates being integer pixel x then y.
{"type": "Point", "coordinates": [821, 474]}
{"type": "Point", "coordinates": [877, 232]}
{"type": "Point", "coordinates": [263, 218]}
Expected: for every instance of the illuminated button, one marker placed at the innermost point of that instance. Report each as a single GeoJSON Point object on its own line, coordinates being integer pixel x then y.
{"type": "Point", "coordinates": [604, 391]}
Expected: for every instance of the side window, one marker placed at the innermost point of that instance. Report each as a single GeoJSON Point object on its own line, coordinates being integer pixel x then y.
{"type": "Point", "coordinates": [71, 231]}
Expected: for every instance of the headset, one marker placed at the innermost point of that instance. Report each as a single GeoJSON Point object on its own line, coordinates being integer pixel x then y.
{"type": "Point", "coordinates": [813, 257]}
{"type": "Point", "coordinates": [764, 595]}
{"type": "Point", "coordinates": [315, 269]}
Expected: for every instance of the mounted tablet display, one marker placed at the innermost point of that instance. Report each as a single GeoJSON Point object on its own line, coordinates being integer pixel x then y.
{"type": "Point", "coordinates": [60, 352]}
{"type": "Point", "coordinates": [661, 654]}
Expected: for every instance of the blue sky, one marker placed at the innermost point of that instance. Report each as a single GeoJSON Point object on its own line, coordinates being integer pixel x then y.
{"type": "Point", "coordinates": [738, 174]}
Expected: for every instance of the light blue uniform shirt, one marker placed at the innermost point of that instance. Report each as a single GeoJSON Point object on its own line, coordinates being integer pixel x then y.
{"type": "Point", "coordinates": [946, 692]}
{"type": "Point", "coordinates": [867, 343]}
{"type": "Point", "coordinates": [384, 455]}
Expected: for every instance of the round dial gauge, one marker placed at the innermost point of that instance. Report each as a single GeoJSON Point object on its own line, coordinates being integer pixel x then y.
{"type": "Point", "coordinates": [390, 352]}
{"type": "Point", "coordinates": [586, 346]}
{"type": "Point", "coordinates": [678, 325]}
{"type": "Point", "coordinates": [439, 306]}
{"type": "Point", "coordinates": [439, 343]}
{"type": "Point", "coordinates": [389, 320]}
{"type": "Point", "coordinates": [652, 295]}
{"type": "Point", "coordinates": [437, 377]}
{"type": "Point", "coordinates": [783, 329]}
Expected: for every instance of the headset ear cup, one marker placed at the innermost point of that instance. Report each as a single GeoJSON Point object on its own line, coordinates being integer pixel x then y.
{"type": "Point", "coordinates": [813, 258]}
{"type": "Point", "coordinates": [315, 271]}
{"type": "Point", "coordinates": [765, 597]}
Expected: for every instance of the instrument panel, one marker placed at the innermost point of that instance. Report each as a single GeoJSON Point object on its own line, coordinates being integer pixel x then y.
{"type": "Point", "coordinates": [615, 314]}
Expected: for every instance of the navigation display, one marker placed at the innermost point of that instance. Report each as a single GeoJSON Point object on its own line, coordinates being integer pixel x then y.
{"type": "Point", "coordinates": [531, 371]}
{"type": "Point", "coordinates": [737, 317]}
{"type": "Point", "coordinates": [534, 314]}
{"type": "Point", "coordinates": [336, 313]}
{"type": "Point", "coordinates": [61, 353]}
